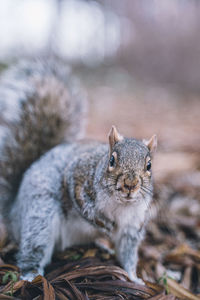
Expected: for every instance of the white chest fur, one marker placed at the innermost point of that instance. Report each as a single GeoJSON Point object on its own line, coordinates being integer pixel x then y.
{"type": "Point", "coordinates": [130, 214]}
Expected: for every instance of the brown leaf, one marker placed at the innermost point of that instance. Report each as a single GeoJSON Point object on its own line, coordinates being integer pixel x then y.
{"type": "Point", "coordinates": [48, 290]}
{"type": "Point", "coordinates": [179, 291]}
{"type": "Point", "coordinates": [90, 253]}
{"type": "Point", "coordinates": [96, 270]}
{"type": "Point", "coordinates": [8, 267]}
{"type": "Point", "coordinates": [183, 250]}
{"type": "Point", "coordinates": [18, 285]}
{"type": "Point", "coordinates": [186, 280]}
{"type": "Point", "coordinates": [118, 286]}
{"type": "Point", "coordinates": [78, 295]}
{"type": "Point", "coordinates": [6, 297]}
{"type": "Point", "coordinates": [162, 297]}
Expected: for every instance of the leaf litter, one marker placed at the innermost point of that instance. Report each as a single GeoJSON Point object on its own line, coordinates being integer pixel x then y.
{"type": "Point", "coordinates": [169, 262]}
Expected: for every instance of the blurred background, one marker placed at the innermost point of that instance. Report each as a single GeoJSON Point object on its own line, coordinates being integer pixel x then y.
{"type": "Point", "coordinates": [140, 60]}
{"type": "Point", "coordinates": [140, 63]}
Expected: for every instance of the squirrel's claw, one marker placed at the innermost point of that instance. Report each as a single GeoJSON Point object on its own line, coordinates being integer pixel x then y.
{"type": "Point", "coordinates": [135, 279]}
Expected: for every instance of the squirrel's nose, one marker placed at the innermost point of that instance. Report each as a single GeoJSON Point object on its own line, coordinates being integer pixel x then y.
{"type": "Point", "coordinates": [131, 182]}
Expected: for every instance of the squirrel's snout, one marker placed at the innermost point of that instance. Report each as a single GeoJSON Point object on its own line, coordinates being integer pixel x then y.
{"type": "Point", "coordinates": [130, 184]}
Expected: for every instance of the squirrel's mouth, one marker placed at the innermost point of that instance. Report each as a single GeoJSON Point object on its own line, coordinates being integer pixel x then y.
{"type": "Point", "coordinates": [129, 195]}
{"type": "Point", "coordinates": [128, 189]}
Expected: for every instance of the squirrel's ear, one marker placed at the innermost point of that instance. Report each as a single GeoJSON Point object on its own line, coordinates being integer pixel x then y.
{"type": "Point", "coordinates": [151, 144]}
{"type": "Point", "coordinates": [114, 137]}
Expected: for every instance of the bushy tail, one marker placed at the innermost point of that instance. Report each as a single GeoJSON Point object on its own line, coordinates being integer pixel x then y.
{"type": "Point", "coordinates": [41, 105]}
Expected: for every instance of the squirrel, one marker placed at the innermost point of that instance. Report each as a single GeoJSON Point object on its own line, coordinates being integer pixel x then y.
{"type": "Point", "coordinates": [56, 190]}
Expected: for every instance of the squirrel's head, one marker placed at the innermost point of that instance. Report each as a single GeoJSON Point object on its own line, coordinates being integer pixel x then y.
{"type": "Point", "coordinates": [129, 173]}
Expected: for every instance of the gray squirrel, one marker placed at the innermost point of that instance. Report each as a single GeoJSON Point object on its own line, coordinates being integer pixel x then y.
{"type": "Point", "coordinates": [57, 191]}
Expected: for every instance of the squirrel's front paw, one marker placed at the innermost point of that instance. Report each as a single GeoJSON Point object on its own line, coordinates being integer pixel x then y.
{"type": "Point", "coordinates": [29, 276]}
{"type": "Point", "coordinates": [104, 223]}
{"type": "Point", "coordinates": [133, 277]}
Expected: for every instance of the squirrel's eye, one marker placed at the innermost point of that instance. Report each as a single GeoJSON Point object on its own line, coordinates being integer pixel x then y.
{"type": "Point", "coordinates": [149, 165]}
{"type": "Point", "coordinates": [112, 161]}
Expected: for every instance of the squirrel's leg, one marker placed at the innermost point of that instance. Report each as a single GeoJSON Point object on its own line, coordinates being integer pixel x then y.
{"type": "Point", "coordinates": [126, 248]}
{"type": "Point", "coordinates": [39, 233]}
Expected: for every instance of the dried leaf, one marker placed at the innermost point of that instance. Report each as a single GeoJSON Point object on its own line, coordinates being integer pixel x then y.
{"type": "Point", "coordinates": [181, 250]}
{"type": "Point", "coordinates": [48, 290]}
{"type": "Point", "coordinates": [90, 253]}
{"type": "Point", "coordinates": [186, 281]}
{"type": "Point", "coordinates": [6, 297]}
{"type": "Point", "coordinates": [163, 297]}
{"type": "Point", "coordinates": [179, 291]}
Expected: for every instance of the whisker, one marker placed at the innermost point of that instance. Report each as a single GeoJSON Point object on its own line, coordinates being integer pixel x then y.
{"type": "Point", "coordinates": [148, 205]}
{"type": "Point", "coordinates": [147, 188]}
{"type": "Point", "coordinates": [144, 198]}
{"type": "Point", "coordinates": [147, 191]}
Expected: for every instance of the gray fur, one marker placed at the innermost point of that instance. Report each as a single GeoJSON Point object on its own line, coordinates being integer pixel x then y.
{"type": "Point", "coordinates": [71, 195]}
{"type": "Point", "coordinates": [41, 105]}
